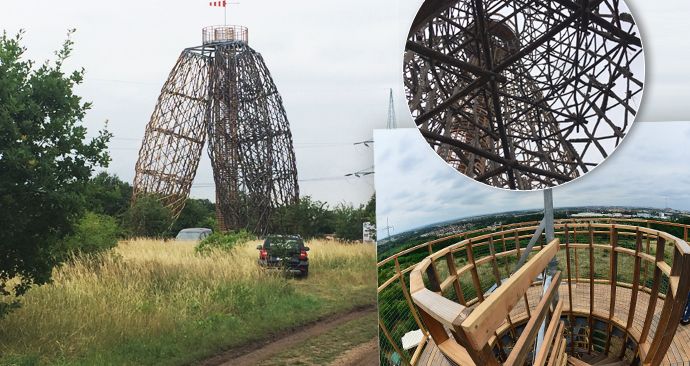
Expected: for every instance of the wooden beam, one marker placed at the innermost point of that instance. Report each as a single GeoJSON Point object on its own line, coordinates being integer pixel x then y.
{"type": "Point", "coordinates": [523, 346]}
{"type": "Point", "coordinates": [654, 295]}
{"type": "Point", "coordinates": [473, 271]}
{"type": "Point", "coordinates": [635, 290]}
{"type": "Point", "coordinates": [550, 335]}
{"type": "Point", "coordinates": [591, 290]}
{"type": "Point", "coordinates": [571, 319]}
{"type": "Point", "coordinates": [488, 316]}
{"type": "Point", "coordinates": [613, 275]}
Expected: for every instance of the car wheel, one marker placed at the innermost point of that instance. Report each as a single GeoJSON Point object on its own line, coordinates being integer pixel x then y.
{"type": "Point", "coordinates": [685, 321]}
{"type": "Point", "coordinates": [305, 274]}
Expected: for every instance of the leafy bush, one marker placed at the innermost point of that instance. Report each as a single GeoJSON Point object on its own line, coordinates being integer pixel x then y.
{"type": "Point", "coordinates": [196, 213]}
{"type": "Point", "coordinates": [147, 218]}
{"type": "Point", "coordinates": [93, 234]}
{"type": "Point", "coordinates": [223, 241]}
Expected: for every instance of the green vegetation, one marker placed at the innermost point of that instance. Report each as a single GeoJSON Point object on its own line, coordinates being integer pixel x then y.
{"type": "Point", "coordinates": [93, 234]}
{"type": "Point", "coordinates": [223, 241]}
{"type": "Point", "coordinates": [45, 160]}
{"type": "Point", "coordinates": [310, 219]}
{"type": "Point", "coordinates": [151, 302]}
{"type": "Point", "coordinates": [147, 218]}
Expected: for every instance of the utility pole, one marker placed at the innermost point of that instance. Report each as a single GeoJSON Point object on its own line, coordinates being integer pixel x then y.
{"type": "Point", "coordinates": [391, 124]}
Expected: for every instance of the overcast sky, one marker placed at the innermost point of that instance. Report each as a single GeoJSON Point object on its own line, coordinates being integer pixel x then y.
{"type": "Point", "coordinates": [415, 187]}
{"type": "Point", "coordinates": [333, 62]}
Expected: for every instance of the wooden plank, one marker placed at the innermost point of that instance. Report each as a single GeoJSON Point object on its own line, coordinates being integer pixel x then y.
{"type": "Point", "coordinates": [487, 316]}
{"type": "Point", "coordinates": [456, 353]}
{"type": "Point", "coordinates": [570, 285]}
{"type": "Point", "coordinates": [613, 275]}
{"type": "Point", "coordinates": [452, 269]}
{"type": "Point", "coordinates": [447, 312]}
{"type": "Point", "coordinates": [635, 289]}
{"type": "Point", "coordinates": [591, 290]}
{"type": "Point", "coordinates": [559, 349]}
{"type": "Point", "coordinates": [655, 291]}
{"type": "Point", "coordinates": [550, 335]}
{"type": "Point", "coordinates": [473, 271]}
{"type": "Point", "coordinates": [524, 344]}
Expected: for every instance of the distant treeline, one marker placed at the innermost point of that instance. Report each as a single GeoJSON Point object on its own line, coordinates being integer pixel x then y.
{"type": "Point", "coordinates": [108, 195]}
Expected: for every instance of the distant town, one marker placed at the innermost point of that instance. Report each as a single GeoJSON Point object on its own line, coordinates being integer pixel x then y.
{"type": "Point", "coordinates": [450, 227]}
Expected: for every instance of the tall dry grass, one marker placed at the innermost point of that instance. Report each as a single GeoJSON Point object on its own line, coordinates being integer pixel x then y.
{"type": "Point", "coordinates": [151, 302]}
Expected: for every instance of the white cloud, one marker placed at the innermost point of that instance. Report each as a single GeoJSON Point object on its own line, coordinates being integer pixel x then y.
{"type": "Point", "coordinates": [649, 167]}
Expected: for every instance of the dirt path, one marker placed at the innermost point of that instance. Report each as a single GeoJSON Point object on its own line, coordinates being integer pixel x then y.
{"type": "Point", "coordinates": [366, 354]}
{"type": "Point", "coordinates": [254, 353]}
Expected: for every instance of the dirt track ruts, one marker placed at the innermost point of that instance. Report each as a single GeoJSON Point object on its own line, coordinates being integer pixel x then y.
{"type": "Point", "coordinates": [253, 353]}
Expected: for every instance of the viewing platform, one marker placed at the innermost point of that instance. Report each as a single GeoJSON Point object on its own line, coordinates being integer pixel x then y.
{"type": "Point", "coordinates": [616, 297]}
{"type": "Point", "coordinates": [224, 33]}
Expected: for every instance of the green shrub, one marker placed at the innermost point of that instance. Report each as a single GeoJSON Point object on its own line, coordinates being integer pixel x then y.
{"type": "Point", "coordinates": [93, 234]}
{"type": "Point", "coordinates": [147, 217]}
{"type": "Point", "coordinates": [223, 241]}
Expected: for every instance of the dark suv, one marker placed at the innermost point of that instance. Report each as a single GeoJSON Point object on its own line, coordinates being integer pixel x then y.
{"type": "Point", "coordinates": [285, 252]}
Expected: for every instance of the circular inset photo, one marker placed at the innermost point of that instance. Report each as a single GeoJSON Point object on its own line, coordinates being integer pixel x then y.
{"type": "Point", "coordinates": [523, 95]}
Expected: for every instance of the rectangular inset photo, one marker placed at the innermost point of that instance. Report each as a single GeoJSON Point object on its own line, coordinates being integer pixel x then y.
{"type": "Point", "coordinates": [596, 271]}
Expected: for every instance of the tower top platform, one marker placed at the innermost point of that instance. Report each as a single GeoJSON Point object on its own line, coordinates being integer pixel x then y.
{"type": "Point", "coordinates": [224, 33]}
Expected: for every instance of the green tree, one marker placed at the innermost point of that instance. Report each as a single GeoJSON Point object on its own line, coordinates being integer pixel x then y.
{"type": "Point", "coordinates": [107, 194]}
{"type": "Point", "coordinates": [349, 220]}
{"type": "Point", "coordinates": [45, 161]}
{"type": "Point", "coordinates": [147, 217]}
{"type": "Point", "coordinates": [307, 218]}
{"type": "Point", "coordinates": [196, 213]}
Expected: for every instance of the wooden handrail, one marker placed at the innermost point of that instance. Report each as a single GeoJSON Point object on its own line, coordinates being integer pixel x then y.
{"type": "Point", "coordinates": [487, 316]}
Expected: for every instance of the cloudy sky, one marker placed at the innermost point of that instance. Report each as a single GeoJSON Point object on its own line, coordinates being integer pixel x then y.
{"type": "Point", "coordinates": [415, 187]}
{"type": "Point", "coordinates": [333, 62]}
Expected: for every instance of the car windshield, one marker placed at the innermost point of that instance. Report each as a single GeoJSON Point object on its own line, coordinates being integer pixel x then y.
{"type": "Point", "coordinates": [189, 235]}
{"type": "Point", "coordinates": [283, 243]}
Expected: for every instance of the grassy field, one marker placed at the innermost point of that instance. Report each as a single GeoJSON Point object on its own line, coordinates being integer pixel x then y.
{"type": "Point", "coordinates": [150, 302]}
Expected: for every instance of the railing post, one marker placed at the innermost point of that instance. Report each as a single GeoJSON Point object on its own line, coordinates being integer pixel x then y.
{"type": "Point", "coordinates": [654, 294]}
{"type": "Point", "coordinates": [452, 269]}
{"type": "Point", "coordinates": [577, 259]}
{"type": "Point", "coordinates": [674, 304]}
{"type": "Point", "coordinates": [570, 288]}
{"type": "Point", "coordinates": [635, 290]}
{"type": "Point", "coordinates": [591, 290]}
{"type": "Point", "coordinates": [475, 275]}
{"type": "Point", "coordinates": [406, 293]}
{"type": "Point", "coordinates": [613, 274]}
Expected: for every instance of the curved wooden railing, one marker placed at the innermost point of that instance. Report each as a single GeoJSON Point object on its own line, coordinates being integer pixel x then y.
{"type": "Point", "coordinates": [448, 290]}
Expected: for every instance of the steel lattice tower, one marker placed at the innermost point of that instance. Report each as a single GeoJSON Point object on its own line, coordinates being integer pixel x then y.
{"type": "Point", "coordinates": [523, 95]}
{"type": "Point", "coordinates": [221, 91]}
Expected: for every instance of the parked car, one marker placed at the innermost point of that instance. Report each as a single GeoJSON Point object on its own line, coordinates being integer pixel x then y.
{"type": "Point", "coordinates": [193, 234]}
{"type": "Point", "coordinates": [284, 252]}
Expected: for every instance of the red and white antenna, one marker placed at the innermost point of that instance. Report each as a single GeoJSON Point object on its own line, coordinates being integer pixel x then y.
{"type": "Point", "coordinates": [224, 5]}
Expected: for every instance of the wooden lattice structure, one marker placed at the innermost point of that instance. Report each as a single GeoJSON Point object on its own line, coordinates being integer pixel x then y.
{"type": "Point", "coordinates": [616, 298]}
{"type": "Point", "coordinates": [523, 95]}
{"type": "Point", "coordinates": [223, 93]}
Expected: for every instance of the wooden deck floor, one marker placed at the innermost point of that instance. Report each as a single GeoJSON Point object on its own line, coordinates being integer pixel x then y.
{"type": "Point", "coordinates": [678, 354]}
